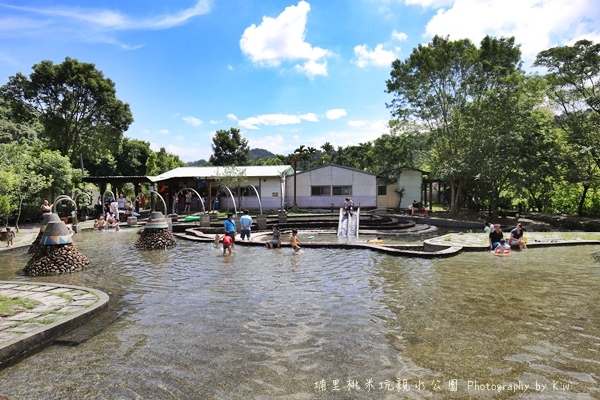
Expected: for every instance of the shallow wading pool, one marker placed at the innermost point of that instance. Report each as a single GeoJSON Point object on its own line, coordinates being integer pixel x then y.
{"type": "Point", "coordinates": [321, 323]}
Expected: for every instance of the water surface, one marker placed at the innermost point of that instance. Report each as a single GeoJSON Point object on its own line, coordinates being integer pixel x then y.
{"type": "Point", "coordinates": [322, 323]}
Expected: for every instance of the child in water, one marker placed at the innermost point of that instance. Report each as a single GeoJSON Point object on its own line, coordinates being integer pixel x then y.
{"type": "Point", "coordinates": [10, 235]}
{"type": "Point", "coordinates": [503, 247]}
{"type": "Point", "coordinates": [227, 243]}
{"type": "Point", "coordinates": [294, 241]}
{"type": "Point", "coordinates": [376, 241]}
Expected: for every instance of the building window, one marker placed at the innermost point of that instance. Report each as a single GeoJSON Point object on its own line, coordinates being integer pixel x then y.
{"type": "Point", "coordinates": [382, 190]}
{"type": "Point", "coordinates": [342, 190]}
{"type": "Point", "coordinates": [320, 191]}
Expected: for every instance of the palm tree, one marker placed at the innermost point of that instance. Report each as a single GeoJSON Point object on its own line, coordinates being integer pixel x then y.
{"type": "Point", "coordinates": [302, 153]}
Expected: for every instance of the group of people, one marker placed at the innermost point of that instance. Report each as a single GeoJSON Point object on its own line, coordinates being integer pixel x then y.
{"type": "Point", "coordinates": [501, 245]}
{"type": "Point", "coordinates": [228, 239]}
{"type": "Point", "coordinates": [110, 222]}
{"type": "Point", "coordinates": [187, 200]}
{"type": "Point", "coordinates": [416, 207]}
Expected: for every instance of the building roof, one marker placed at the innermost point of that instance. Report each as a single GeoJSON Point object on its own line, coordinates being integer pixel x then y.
{"type": "Point", "coordinates": [336, 166]}
{"type": "Point", "coordinates": [116, 179]}
{"type": "Point", "coordinates": [262, 171]}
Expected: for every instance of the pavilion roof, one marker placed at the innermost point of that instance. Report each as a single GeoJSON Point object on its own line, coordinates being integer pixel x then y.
{"type": "Point", "coordinates": [255, 171]}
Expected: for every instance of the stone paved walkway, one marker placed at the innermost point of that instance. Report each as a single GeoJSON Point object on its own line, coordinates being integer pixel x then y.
{"type": "Point", "coordinates": [61, 308]}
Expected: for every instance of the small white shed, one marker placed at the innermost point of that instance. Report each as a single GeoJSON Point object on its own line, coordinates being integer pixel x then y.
{"type": "Point", "coordinates": [411, 180]}
{"type": "Point", "coordinates": [331, 184]}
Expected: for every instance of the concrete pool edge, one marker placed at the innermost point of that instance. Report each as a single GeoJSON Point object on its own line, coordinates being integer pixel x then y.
{"type": "Point", "coordinates": [425, 250]}
{"type": "Point", "coordinates": [22, 345]}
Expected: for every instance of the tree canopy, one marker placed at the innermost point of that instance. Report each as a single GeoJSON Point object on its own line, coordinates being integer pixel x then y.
{"type": "Point", "coordinates": [229, 148]}
{"type": "Point", "coordinates": [76, 105]}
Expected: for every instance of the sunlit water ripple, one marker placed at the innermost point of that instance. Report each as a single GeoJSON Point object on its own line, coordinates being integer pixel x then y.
{"type": "Point", "coordinates": [190, 323]}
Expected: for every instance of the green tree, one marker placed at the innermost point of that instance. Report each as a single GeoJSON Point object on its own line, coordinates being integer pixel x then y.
{"type": "Point", "coordinates": [327, 154]}
{"type": "Point", "coordinates": [160, 162]}
{"type": "Point", "coordinates": [74, 102]}
{"type": "Point", "coordinates": [432, 86]}
{"type": "Point", "coordinates": [29, 174]}
{"type": "Point", "coordinates": [574, 87]}
{"type": "Point", "coordinates": [133, 156]}
{"type": "Point", "coordinates": [152, 167]}
{"type": "Point", "coordinates": [167, 161]}
{"type": "Point", "coordinates": [540, 160]}
{"type": "Point", "coordinates": [232, 177]}
{"type": "Point", "coordinates": [229, 148]}
{"type": "Point", "coordinates": [11, 130]}
{"type": "Point", "coordinates": [449, 86]}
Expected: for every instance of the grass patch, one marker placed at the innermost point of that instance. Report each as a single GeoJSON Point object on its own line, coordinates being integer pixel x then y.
{"type": "Point", "coordinates": [64, 296]}
{"type": "Point", "coordinates": [10, 306]}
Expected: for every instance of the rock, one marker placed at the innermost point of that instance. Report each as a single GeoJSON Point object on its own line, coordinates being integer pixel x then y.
{"type": "Point", "coordinates": [56, 259]}
{"type": "Point", "coordinates": [156, 239]}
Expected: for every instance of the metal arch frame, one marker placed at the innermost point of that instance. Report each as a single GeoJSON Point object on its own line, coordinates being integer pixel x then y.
{"type": "Point", "coordinates": [257, 196]}
{"type": "Point", "coordinates": [61, 198]}
{"type": "Point", "coordinates": [104, 196]}
{"type": "Point", "coordinates": [198, 194]}
{"type": "Point", "coordinates": [161, 198]}
{"type": "Point", "coordinates": [80, 193]}
{"type": "Point", "coordinates": [232, 199]}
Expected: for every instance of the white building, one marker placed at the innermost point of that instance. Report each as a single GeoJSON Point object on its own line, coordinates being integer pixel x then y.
{"type": "Point", "coordinates": [268, 181]}
{"type": "Point", "coordinates": [331, 184]}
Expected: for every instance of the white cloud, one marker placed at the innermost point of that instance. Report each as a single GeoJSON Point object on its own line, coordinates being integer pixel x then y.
{"type": "Point", "coordinates": [192, 152]}
{"type": "Point", "coordinates": [113, 20]}
{"type": "Point", "coordinates": [378, 57]}
{"type": "Point", "coordinates": [93, 24]}
{"type": "Point", "coordinates": [269, 119]}
{"type": "Point", "coordinates": [312, 68]}
{"type": "Point", "coordinates": [336, 113]}
{"type": "Point", "coordinates": [536, 24]}
{"type": "Point", "coordinates": [232, 117]}
{"type": "Point", "coordinates": [429, 3]}
{"type": "Point", "coordinates": [275, 144]}
{"type": "Point", "coordinates": [311, 117]}
{"type": "Point", "coordinates": [164, 131]}
{"type": "Point", "coordinates": [192, 120]}
{"type": "Point", "coordinates": [281, 39]}
{"type": "Point", "coordinates": [214, 122]}
{"type": "Point", "coordinates": [400, 36]}
{"type": "Point", "coordinates": [357, 132]}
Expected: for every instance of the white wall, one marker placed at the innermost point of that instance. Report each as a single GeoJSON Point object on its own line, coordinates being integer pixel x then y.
{"type": "Point", "coordinates": [270, 195]}
{"type": "Point", "coordinates": [364, 187]}
{"type": "Point", "coordinates": [411, 180]}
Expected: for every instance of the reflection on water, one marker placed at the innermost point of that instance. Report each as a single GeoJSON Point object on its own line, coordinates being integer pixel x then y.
{"type": "Point", "coordinates": [190, 323]}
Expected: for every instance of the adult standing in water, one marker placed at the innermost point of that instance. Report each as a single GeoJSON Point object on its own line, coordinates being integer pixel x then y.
{"type": "Point", "coordinates": [230, 227]}
{"type": "Point", "coordinates": [246, 221]}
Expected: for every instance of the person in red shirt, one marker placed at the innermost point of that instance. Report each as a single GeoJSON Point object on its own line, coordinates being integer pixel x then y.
{"type": "Point", "coordinates": [227, 243]}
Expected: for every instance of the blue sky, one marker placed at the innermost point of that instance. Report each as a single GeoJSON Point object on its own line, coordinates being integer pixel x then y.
{"type": "Point", "coordinates": [285, 73]}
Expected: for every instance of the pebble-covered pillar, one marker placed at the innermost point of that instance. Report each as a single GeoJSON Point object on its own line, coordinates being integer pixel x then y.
{"type": "Point", "coordinates": [156, 234]}
{"type": "Point", "coordinates": [56, 254]}
{"type": "Point", "coordinates": [45, 219]}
